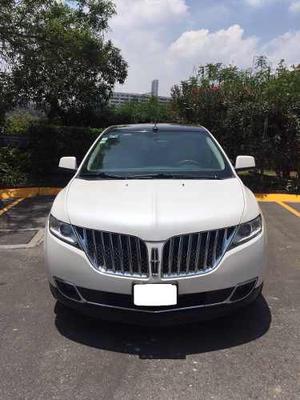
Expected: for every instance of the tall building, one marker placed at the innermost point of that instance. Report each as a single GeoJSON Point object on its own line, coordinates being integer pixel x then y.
{"type": "Point", "coordinates": [119, 98]}
{"type": "Point", "coordinates": [154, 88]}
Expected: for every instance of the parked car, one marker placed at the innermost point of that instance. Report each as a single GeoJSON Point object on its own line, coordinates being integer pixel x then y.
{"type": "Point", "coordinates": [155, 225]}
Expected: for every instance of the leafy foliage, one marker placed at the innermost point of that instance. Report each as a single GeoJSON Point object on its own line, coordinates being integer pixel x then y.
{"type": "Point", "coordinates": [249, 111]}
{"type": "Point", "coordinates": [37, 163]}
{"type": "Point", "coordinates": [14, 166]}
{"type": "Point", "coordinates": [7, 95]}
{"type": "Point", "coordinates": [141, 112]}
{"type": "Point", "coordinates": [18, 122]}
{"type": "Point", "coordinates": [57, 55]}
{"type": "Point", "coordinates": [48, 143]}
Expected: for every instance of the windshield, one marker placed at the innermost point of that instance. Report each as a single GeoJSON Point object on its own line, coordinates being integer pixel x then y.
{"type": "Point", "coordinates": [156, 154]}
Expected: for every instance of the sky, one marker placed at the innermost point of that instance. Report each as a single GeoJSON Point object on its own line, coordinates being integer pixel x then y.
{"type": "Point", "coordinates": [169, 39]}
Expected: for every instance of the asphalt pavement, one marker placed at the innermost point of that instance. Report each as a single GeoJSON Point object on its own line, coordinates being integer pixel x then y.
{"type": "Point", "coordinates": [48, 352]}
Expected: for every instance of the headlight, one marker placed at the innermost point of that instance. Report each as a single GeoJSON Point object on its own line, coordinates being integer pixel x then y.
{"type": "Point", "coordinates": [62, 230]}
{"type": "Point", "coordinates": [247, 231]}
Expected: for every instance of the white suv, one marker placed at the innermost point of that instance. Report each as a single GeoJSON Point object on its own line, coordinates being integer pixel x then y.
{"type": "Point", "coordinates": [155, 224]}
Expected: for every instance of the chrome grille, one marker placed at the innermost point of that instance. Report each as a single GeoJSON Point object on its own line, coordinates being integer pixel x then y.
{"type": "Point", "coordinates": [115, 253]}
{"type": "Point", "coordinates": [194, 253]}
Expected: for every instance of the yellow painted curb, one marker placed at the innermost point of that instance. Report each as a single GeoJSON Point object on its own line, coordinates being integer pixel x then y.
{"type": "Point", "coordinates": [9, 206]}
{"type": "Point", "coordinates": [46, 191]}
{"type": "Point", "coordinates": [292, 198]}
{"type": "Point", "coordinates": [28, 192]}
{"type": "Point", "coordinates": [22, 193]}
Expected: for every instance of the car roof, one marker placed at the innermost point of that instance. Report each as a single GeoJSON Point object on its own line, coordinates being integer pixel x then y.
{"type": "Point", "coordinates": [158, 127]}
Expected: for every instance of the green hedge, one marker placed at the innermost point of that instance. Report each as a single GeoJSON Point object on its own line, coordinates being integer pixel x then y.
{"type": "Point", "coordinates": [47, 144]}
{"type": "Point", "coordinates": [37, 162]}
{"type": "Point", "coordinates": [14, 166]}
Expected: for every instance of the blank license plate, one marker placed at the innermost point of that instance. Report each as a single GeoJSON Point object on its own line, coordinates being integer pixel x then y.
{"type": "Point", "coordinates": [155, 295]}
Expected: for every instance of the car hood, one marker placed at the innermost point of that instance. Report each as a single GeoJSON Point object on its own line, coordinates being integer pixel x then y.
{"type": "Point", "coordinates": [155, 210]}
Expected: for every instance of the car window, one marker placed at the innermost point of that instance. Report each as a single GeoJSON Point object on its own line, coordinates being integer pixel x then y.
{"type": "Point", "coordinates": [175, 152]}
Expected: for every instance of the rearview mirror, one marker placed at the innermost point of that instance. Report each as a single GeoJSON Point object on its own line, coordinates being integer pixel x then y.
{"type": "Point", "coordinates": [244, 162]}
{"type": "Point", "coordinates": [68, 163]}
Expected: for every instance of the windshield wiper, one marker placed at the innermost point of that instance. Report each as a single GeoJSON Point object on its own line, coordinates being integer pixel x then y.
{"type": "Point", "coordinates": [171, 176]}
{"type": "Point", "coordinates": [102, 175]}
{"type": "Point", "coordinates": [159, 175]}
{"type": "Point", "coordinates": [151, 176]}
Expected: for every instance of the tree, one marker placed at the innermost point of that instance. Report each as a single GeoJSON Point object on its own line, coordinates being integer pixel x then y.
{"type": "Point", "coordinates": [142, 112]}
{"type": "Point", "coordinates": [7, 95]}
{"type": "Point", "coordinates": [255, 111]}
{"type": "Point", "coordinates": [57, 54]}
{"type": "Point", "coordinates": [18, 122]}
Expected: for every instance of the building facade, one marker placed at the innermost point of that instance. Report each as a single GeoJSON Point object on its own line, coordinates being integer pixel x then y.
{"type": "Point", "coordinates": [119, 98]}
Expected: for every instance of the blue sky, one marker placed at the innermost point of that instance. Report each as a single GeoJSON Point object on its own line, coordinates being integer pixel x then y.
{"type": "Point", "coordinates": [168, 39]}
{"type": "Point", "coordinates": [265, 19]}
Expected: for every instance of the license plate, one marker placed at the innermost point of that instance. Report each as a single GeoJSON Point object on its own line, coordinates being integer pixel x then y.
{"type": "Point", "coordinates": [155, 295]}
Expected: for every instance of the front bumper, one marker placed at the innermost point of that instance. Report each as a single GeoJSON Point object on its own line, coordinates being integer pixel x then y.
{"type": "Point", "coordinates": [199, 296]}
{"type": "Point", "coordinates": [120, 308]}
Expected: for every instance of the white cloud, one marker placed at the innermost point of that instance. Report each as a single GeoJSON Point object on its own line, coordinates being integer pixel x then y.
{"type": "Point", "coordinates": [154, 40]}
{"type": "Point", "coordinates": [260, 3]}
{"type": "Point", "coordinates": [141, 30]}
{"type": "Point", "coordinates": [135, 13]}
{"type": "Point", "coordinates": [286, 47]}
{"type": "Point", "coordinates": [226, 45]}
{"type": "Point", "coordinates": [256, 3]}
{"type": "Point", "coordinates": [230, 46]}
{"type": "Point", "coordinates": [295, 7]}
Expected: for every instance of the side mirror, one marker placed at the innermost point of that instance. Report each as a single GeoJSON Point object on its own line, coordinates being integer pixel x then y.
{"type": "Point", "coordinates": [68, 163]}
{"type": "Point", "coordinates": [244, 162]}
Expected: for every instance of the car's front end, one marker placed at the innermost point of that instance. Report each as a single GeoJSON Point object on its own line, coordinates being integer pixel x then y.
{"type": "Point", "coordinates": [147, 250]}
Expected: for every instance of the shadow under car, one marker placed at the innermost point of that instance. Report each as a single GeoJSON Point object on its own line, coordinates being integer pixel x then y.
{"type": "Point", "coordinates": [173, 342]}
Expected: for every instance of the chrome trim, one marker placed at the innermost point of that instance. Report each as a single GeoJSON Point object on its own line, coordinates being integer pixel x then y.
{"type": "Point", "coordinates": [179, 254]}
{"type": "Point", "coordinates": [138, 263]}
{"type": "Point", "coordinates": [170, 256]}
{"type": "Point", "coordinates": [103, 245]}
{"type": "Point", "coordinates": [154, 262]}
{"type": "Point", "coordinates": [189, 245]}
{"type": "Point", "coordinates": [226, 301]}
{"type": "Point", "coordinates": [188, 255]}
{"type": "Point", "coordinates": [112, 253]}
{"type": "Point", "coordinates": [74, 286]}
{"type": "Point", "coordinates": [139, 255]}
{"type": "Point", "coordinates": [121, 254]}
{"type": "Point", "coordinates": [241, 284]}
{"type": "Point", "coordinates": [214, 252]}
{"type": "Point", "coordinates": [129, 254]}
{"type": "Point", "coordinates": [205, 240]}
{"type": "Point", "coordinates": [198, 249]}
{"type": "Point", "coordinates": [95, 247]}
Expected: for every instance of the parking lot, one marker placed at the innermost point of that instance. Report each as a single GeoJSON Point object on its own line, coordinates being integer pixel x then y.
{"type": "Point", "coordinates": [48, 352]}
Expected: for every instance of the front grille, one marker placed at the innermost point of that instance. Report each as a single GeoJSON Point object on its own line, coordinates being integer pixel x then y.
{"type": "Point", "coordinates": [115, 253]}
{"type": "Point", "coordinates": [195, 253]}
